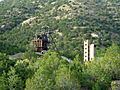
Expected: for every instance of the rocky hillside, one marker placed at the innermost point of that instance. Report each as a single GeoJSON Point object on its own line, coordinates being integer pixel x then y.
{"type": "Point", "coordinates": [72, 21]}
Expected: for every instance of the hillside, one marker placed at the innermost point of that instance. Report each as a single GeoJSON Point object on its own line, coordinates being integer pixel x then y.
{"type": "Point", "coordinates": [62, 67]}
{"type": "Point", "coordinates": [72, 21]}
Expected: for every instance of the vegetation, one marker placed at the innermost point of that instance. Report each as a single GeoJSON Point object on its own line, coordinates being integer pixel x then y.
{"type": "Point", "coordinates": [71, 21]}
{"type": "Point", "coordinates": [52, 72]}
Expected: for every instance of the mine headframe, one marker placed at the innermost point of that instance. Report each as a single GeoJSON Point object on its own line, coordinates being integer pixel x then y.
{"type": "Point", "coordinates": [41, 42]}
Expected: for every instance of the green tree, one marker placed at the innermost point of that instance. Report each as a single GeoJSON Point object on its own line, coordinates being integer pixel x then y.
{"type": "Point", "coordinates": [65, 80]}
{"type": "Point", "coordinates": [102, 71]}
{"type": "Point", "coordinates": [14, 81]}
{"type": "Point", "coordinates": [69, 76]}
{"type": "Point", "coordinates": [44, 77]}
{"type": "Point", "coordinates": [3, 83]}
{"type": "Point", "coordinates": [5, 63]}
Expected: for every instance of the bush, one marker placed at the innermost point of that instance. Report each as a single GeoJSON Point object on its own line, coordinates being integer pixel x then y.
{"type": "Point", "coordinates": [115, 85]}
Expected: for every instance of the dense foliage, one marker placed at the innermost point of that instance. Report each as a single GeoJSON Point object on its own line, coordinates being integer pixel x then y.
{"type": "Point", "coordinates": [52, 72]}
{"type": "Point", "coordinates": [71, 20]}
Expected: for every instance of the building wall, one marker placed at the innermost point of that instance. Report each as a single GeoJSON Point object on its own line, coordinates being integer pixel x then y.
{"type": "Point", "coordinates": [92, 52]}
{"type": "Point", "coordinates": [89, 51]}
{"type": "Point", "coordinates": [37, 43]}
{"type": "Point", "coordinates": [86, 50]}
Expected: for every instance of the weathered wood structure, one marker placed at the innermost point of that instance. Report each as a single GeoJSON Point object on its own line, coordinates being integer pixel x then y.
{"type": "Point", "coordinates": [40, 43]}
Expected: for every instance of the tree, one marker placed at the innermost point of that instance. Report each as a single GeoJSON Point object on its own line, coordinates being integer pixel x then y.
{"type": "Point", "coordinates": [3, 82]}
{"type": "Point", "coordinates": [102, 71]}
{"type": "Point", "coordinates": [44, 77]}
{"type": "Point", "coordinates": [5, 63]}
{"type": "Point", "coordinates": [14, 81]}
{"type": "Point", "coordinates": [69, 76]}
{"type": "Point", "coordinates": [65, 80]}
{"type": "Point", "coordinates": [54, 73]}
{"type": "Point", "coordinates": [111, 61]}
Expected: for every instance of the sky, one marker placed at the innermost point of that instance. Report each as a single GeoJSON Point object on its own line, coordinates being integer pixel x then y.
{"type": "Point", "coordinates": [1, 0]}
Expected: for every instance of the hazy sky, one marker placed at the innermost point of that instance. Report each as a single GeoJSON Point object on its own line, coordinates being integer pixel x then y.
{"type": "Point", "coordinates": [1, 0]}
